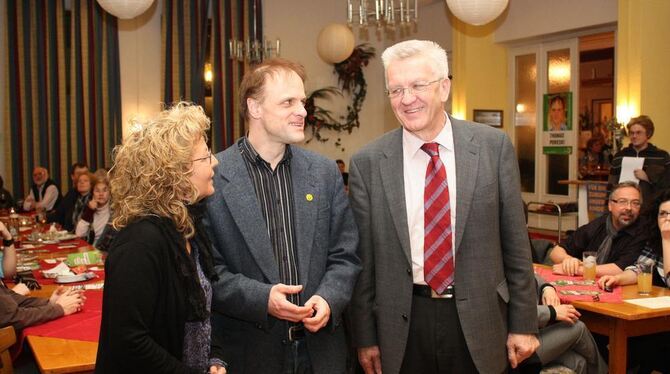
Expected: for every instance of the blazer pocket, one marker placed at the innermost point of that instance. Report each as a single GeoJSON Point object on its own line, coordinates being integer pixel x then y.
{"type": "Point", "coordinates": [503, 291]}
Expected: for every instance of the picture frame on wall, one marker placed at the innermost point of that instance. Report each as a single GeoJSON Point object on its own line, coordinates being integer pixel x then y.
{"type": "Point", "coordinates": [491, 117]}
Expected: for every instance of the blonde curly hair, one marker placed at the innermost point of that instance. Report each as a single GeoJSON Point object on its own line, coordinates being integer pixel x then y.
{"type": "Point", "coordinates": [152, 167]}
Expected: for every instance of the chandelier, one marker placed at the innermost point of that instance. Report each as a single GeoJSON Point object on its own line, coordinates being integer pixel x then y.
{"type": "Point", "coordinates": [384, 13]}
{"type": "Point", "coordinates": [253, 50]}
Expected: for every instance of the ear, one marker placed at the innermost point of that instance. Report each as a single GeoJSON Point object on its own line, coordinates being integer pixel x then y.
{"type": "Point", "coordinates": [254, 108]}
{"type": "Point", "coordinates": [445, 87]}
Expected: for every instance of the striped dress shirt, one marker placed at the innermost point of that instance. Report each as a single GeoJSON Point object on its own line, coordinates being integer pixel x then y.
{"type": "Point", "coordinates": [274, 190]}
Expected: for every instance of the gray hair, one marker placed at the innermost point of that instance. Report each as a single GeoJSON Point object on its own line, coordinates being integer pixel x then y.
{"type": "Point", "coordinates": [410, 48]}
{"type": "Point", "coordinates": [626, 184]}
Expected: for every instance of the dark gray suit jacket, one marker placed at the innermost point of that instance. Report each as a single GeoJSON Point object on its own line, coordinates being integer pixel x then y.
{"type": "Point", "coordinates": [327, 263]}
{"type": "Point", "coordinates": [494, 285]}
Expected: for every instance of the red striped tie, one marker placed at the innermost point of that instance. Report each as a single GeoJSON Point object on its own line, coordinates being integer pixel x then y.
{"type": "Point", "coordinates": [438, 259]}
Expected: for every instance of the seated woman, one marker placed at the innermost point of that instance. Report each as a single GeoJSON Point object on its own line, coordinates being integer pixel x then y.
{"type": "Point", "coordinates": [22, 311]}
{"type": "Point", "coordinates": [157, 297]}
{"type": "Point", "coordinates": [96, 213]}
{"type": "Point", "coordinates": [651, 350]}
{"type": "Point", "coordinates": [68, 212]}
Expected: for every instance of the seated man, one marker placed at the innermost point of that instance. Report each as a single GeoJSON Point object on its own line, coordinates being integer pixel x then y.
{"type": "Point", "coordinates": [564, 339]}
{"type": "Point", "coordinates": [617, 237]}
{"type": "Point", "coordinates": [6, 200]}
{"type": "Point", "coordinates": [43, 193]}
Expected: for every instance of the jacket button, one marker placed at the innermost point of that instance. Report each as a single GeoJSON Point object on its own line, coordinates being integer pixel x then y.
{"type": "Point", "coordinates": [409, 271]}
{"type": "Point", "coordinates": [404, 316]}
{"type": "Point", "coordinates": [259, 326]}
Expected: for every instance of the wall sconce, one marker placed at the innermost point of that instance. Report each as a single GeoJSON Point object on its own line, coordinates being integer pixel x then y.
{"type": "Point", "coordinates": [384, 14]}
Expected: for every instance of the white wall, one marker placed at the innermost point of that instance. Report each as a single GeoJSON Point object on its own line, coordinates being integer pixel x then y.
{"type": "Point", "coordinates": [532, 18]}
{"type": "Point", "coordinates": [140, 64]}
{"type": "Point", "coordinates": [3, 91]}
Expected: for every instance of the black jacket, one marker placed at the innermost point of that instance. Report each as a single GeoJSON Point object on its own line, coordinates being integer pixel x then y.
{"type": "Point", "coordinates": [144, 303]}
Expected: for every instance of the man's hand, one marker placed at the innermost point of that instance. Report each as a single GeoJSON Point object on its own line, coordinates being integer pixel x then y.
{"type": "Point", "coordinates": [608, 281]}
{"type": "Point", "coordinates": [280, 307]}
{"type": "Point", "coordinates": [550, 297]}
{"type": "Point", "coordinates": [370, 359]}
{"type": "Point", "coordinates": [21, 289]}
{"type": "Point", "coordinates": [570, 266]}
{"type": "Point", "coordinates": [93, 204]}
{"type": "Point", "coordinates": [641, 175]}
{"type": "Point", "coordinates": [520, 347]}
{"type": "Point", "coordinates": [567, 313]}
{"type": "Point", "coordinates": [321, 313]}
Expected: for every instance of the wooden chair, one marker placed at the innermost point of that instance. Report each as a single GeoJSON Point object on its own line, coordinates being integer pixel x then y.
{"type": "Point", "coordinates": [7, 339]}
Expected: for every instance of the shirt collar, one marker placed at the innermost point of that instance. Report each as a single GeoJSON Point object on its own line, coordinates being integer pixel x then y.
{"type": "Point", "coordinates": [412, 143]}
{"type": "Point", "coordinates": [250, 153]}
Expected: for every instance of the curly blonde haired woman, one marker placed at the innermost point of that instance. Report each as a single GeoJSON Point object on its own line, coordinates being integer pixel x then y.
{"type": "Point", "coordinates": [157, 296]}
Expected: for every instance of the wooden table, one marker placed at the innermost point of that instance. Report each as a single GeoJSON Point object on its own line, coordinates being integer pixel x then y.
{"type": "Point", "coordinates": [55, 355]}
{"type": "Point", "coordinates": [624, 320]}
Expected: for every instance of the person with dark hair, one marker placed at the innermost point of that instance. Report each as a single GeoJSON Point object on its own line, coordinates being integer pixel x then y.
{"type": "Point", "coordinates": [6, 200]}
{"type": "Point", "coordinates": [69, 211]}
{"type": "Point", "coordinates": [156, 306]}
{"type": "Point", "coordinates": [595, 162]}
{"type": "Point", "coordinates": [284, 237]}
{"type": "Point", "coordinates": [651, 351]}
{"type": "Point", "coordinates": [44, 193]}
{"type": "Point", "coordinates": [656, 160]}
{"type": "Point", "coordinates": [617, 237]}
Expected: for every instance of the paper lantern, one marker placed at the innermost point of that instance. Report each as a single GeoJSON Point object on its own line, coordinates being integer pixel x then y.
{"type": "Point", "coordinates": [125, 9]}
{"type": "Point", "coordinates": [477, 12]}
{"type": "Point", "coordinates": [335, 43]}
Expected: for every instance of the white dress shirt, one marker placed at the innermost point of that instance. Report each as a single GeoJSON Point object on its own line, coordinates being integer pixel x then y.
{"type": "Point", "coordinates": [415, 163]}
{"type": "Point", "coordinates": [48, 201]}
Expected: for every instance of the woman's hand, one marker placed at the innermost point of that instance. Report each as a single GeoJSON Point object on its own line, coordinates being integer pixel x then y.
{"type": "Point", "coordinates": [567, 313]}
{"type": "Point", "coordinates": [93, 204]}
{"type": "Point", "coordinates": [550, 297]}
{"type": "Point", "coordinates": [4, 232]}
{"type": "Point", "coordinates": [21, 289]}
{"type": "Point", "coordinates": [71, 301]}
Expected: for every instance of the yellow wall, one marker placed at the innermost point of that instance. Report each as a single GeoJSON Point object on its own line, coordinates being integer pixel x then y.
{"type": "Point", "coordinates": [643, 52]}
{"type": "Point", "coordinates": [479, 67]}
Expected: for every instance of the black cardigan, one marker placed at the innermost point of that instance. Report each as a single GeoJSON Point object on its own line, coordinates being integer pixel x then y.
{"type": "Point", "coordinates": [144, 304]}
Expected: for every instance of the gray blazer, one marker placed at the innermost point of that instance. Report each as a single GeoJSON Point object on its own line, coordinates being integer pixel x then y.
{"type": "Point", "coordinates": [244, 259]}
{"type": "Point", "coordinates": [494, 285]}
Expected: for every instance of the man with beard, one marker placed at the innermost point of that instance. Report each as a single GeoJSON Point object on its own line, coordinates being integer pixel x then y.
{"type": "Point", "coordinates": [617, 237]}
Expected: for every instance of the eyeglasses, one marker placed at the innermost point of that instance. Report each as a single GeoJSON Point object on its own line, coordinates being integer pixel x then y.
{"type": "Point", "coordinates": [663, 214]}
{"type": "Point", "coordinates": [397, 92]}
{"type": "Point", "coordinates": [208, 157]}
{"type": "Point", "coordinates": [624, 202]}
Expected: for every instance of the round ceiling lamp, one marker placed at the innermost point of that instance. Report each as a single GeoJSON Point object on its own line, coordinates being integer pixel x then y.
{"type": "Point", "coordinates": [335, 43]}
{"type": "Point", "coordinates": [477, 12]}
{"type": "Point", "coordinates": [125, 9]}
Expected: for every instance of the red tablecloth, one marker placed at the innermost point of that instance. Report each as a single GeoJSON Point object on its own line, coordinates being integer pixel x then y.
{"type": "Point", "coordinates": [84, 325]}
{"type": "Point", "coordinates": [616, 296]}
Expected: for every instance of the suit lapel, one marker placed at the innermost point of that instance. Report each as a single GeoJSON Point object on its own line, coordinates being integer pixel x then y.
{"type": "Point", "coordinates": [391, 169]}
{"type": "Point", "coordinates": [466, 154]}
{"type": "Point", "coordinates": [240, 197]}
{"type": "Point", "coordinates": [304, 185]}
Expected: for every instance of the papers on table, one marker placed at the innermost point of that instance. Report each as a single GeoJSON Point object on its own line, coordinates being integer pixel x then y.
{"type": "Point", "coordinates": [652, 302]}
{"type": "Point", "coordinates": [628, 166]}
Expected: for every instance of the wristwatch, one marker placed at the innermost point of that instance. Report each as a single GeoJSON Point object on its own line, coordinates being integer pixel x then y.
{"type": "Point", "coordinates": [7, 242]}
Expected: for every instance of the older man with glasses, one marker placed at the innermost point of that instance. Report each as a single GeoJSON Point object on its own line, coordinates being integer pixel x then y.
{"type": "Point", "coordinates": [617, 237]}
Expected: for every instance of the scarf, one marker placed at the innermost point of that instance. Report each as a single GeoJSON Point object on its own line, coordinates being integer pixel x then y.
{"type": "Point", "coordinates": [606, 245]}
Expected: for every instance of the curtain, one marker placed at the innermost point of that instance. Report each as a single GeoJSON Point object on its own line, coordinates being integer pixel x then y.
{"type": "Point", "coordinates": [63, 88]}
{"type": "Point", "coordinates": [184, 37]}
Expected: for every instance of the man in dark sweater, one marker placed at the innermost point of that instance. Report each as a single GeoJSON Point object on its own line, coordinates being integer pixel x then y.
{"type": "Point", "coordinates": [617, 237]}
{"type": "Point", "coordinates": [656, 160]}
